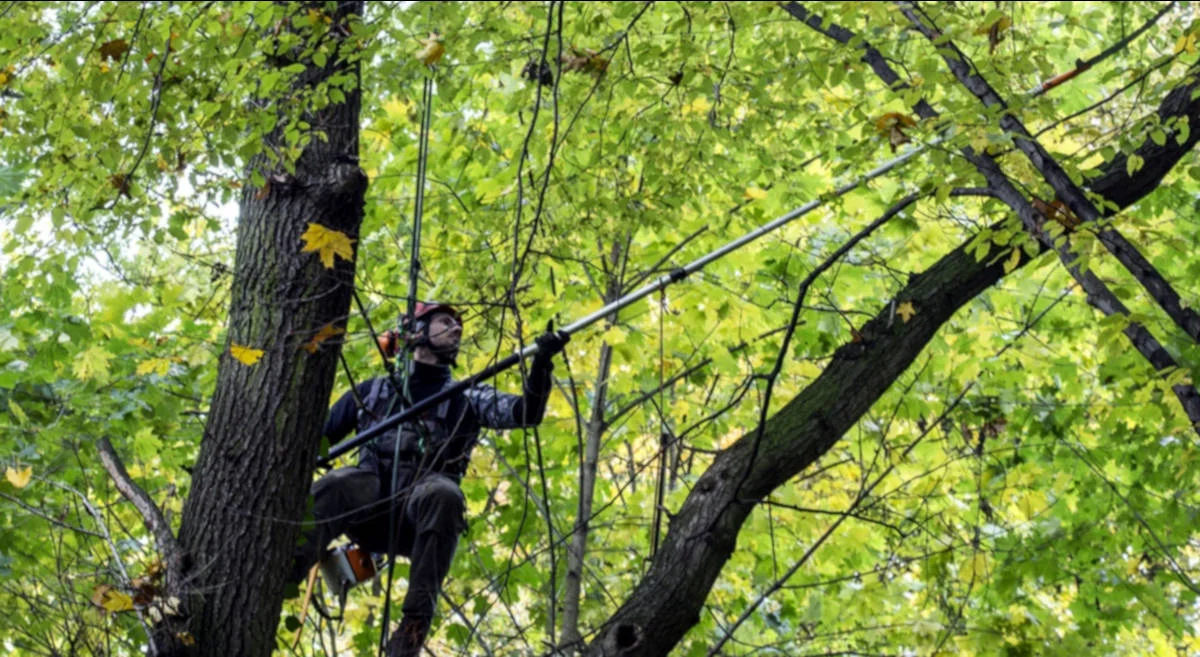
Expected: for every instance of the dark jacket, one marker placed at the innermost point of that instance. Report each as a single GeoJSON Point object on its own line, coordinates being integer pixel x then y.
{"type": "Point", "coordinates": [442, 439]}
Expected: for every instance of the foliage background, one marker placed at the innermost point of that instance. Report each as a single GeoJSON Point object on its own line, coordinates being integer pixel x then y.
{"type": "Point", "coordinates": [1052, 510]}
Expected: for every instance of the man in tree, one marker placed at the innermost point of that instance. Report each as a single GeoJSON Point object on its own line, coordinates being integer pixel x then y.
{"type": "Point", "coordinates": [423, 461]}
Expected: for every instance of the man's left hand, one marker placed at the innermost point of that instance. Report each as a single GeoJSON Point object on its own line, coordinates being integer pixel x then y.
{"type": "Point", "coordinates": [550, 343]}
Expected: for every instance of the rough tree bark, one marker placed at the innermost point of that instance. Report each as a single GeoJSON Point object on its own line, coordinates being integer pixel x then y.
{"type": "Point", "coordinates": [703, 533]}
{"type": "Point", "coordinates": [250, 483]}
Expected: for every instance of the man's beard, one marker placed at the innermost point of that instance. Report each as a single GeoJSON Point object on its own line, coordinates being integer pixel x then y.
{"type": "Point", "coordinates": [445, 355]}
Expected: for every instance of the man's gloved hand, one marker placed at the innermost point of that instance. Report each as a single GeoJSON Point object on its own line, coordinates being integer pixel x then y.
{"type": "Point", "coordinates": [549, 343]}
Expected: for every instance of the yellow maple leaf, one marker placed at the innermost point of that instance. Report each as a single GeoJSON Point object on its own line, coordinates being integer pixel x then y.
{"type": "Point", "coordinates": [755, 194]}
{"type": "Point", "coordinates": [159, 366]}
{"type": "Point", "coordinates": [327, 243]}
{"type": "Point", "coordinates": [92, 364]}
{"type": "Point", "coordinates": [116, 601]}
{"type": "Point", "coordinates": [245, 355]}
{"type": "Point", "coordinates": [906, 311]}
{"type": "Point", "coordinates": [1186, 43]}
{"type": "Point", "coordinates": [326, 332]}
{"type": "Point", "coordinates": [19, 478]}
{"type": "Point", "coordinates": [431, 51]}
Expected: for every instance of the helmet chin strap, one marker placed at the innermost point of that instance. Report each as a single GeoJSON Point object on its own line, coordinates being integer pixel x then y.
{"type": "Point", "coordinates": [444, 355]}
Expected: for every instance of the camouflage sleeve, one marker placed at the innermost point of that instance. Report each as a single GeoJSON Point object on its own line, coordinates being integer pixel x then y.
{"type": "Point", "coordinates": [495, 409]}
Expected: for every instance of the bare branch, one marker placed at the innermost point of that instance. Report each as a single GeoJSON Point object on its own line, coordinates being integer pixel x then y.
{"type": "Point", "coordinates": [648, 394]}
{"type": "Point", "coordinates": [49, 518]}
{"type": "Point", "coordinates": [168, 547]}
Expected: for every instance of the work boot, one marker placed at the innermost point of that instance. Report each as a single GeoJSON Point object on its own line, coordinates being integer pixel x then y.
{"type": "Point", "coordinates": [408, 638]}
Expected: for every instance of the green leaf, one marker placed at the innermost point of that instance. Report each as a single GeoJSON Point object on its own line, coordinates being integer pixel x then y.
{"type": "Point", "coordinates": [10, 180]}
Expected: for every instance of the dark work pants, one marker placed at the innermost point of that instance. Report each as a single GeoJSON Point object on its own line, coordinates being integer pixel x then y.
{"type": "Point", "coordinates": [430, 517]}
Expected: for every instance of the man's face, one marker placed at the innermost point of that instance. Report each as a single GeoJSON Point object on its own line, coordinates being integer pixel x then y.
{"type": "Point", "coordinates": [444, 331]}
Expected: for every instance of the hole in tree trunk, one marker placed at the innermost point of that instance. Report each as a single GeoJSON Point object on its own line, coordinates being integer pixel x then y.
{"type": "Point", "coordinates": [628, 636]}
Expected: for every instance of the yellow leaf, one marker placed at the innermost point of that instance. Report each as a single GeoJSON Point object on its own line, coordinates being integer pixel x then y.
{"type": "Point", "coordinates": [432, 50]}
{"type": "Point", "coordinates": [327, 243]}
{"type": "Point", "coordinates": [17, 412]}
{"type": "Point", "coordinates": [614, 336]}
{"type": "Point", "coordinates": [699, 106]}
{"type": "Point", "coordinates": [906, 311]}
{"type": "Point", "coordinates": [755, 194]}
{"type": "Point", "coordinates": [976, 569]}
{"type": "Point", "coordinates": [1014, 259]}
{"type": "Point", "coordinates": [326, 332]}
{"type": "Point", "coordinates": [1186, 43]}
{"type": "Point", "coordinates": [246, 355]}
{"type": "Point", "coordinates": [316, 17]}
{"type": "Point", "coordinates": [158, 366]}
{"type": "Point", "coordinates": [807, 369]}
{"type": "Point", "coordinates": [185, 638]}
{"type": "Point", "coordinates": [92, 364]}
{"type": "Point", "coordinates": [19, 478]}
{"type": "Point", "coordinates": [1030, 504]}
{"type": "Point", "coordinates": [116, 601]}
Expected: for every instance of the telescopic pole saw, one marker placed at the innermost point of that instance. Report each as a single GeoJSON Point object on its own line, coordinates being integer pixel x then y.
{"type": "Point", "coordinates": [663, 281]}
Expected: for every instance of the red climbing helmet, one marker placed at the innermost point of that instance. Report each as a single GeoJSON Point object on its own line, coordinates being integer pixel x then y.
{"type": "Point", "coordinates": [425, 310]}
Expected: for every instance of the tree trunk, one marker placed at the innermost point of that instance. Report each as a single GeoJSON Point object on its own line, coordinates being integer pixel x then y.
{"type": "Point", "coordinates": [703, 534]}
{"type": "Point", "coordinates": [251, 481]}
{"type": "Point", "coordinates": [587, 491]}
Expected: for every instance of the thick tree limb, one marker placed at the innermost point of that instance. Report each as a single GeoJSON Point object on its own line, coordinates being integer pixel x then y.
{"type": "Point", "coordinates": [703, 534]}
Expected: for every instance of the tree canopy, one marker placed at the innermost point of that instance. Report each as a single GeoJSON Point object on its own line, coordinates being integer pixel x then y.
{"type": "Point", "coordinates": [950, 410]}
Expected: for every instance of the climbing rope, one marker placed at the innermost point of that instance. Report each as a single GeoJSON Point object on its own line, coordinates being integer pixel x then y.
{"type": "Point", "coordinates": [664, 435]}
{"type": "Point", "coordinates": [414, 271]}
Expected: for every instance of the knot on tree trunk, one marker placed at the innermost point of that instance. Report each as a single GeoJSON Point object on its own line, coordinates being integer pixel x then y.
{"type": "Point", "coordinates": [622, 639]}
{"type": "Point", "coordinates": [344, 180]}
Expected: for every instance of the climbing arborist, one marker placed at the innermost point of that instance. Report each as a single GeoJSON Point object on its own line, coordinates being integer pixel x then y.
{"type": "Point", "coordinates": [428, 456]}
